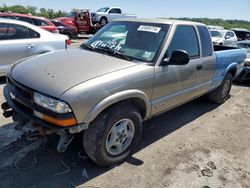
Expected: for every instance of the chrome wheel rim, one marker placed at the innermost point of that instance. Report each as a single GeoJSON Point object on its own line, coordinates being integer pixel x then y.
{"type": "Point", "coordinates": [225, 89]}
{"type": "Point", "coordinates": [120, 136]}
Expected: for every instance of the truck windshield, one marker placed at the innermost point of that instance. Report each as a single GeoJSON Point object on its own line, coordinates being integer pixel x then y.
{"type": "Point", "coordinates": [105, 9]}
{"type": "Point", "coordinates": [134, 40]}
{"type": "Point", "coordinates": [71, 15]}
{"type": "Point", "coordinates": [218, 34]}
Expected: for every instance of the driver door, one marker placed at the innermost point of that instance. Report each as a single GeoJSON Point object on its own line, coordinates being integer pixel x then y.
{"type": "Point", "coordinates": [176, 84]}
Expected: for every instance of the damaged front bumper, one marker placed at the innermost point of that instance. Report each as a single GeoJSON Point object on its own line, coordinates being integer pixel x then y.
{"type": "Point", "coordinates": [20, 106]}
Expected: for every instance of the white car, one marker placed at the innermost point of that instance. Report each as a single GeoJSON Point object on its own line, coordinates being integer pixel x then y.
{"type": "Point", "coordinates": [19, 40]}
{"type": "Point", "coordinates": [223, 37]}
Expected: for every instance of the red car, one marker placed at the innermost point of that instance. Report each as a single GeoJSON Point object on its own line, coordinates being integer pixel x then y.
{"type": "Point", "coordinates": [35, 20]}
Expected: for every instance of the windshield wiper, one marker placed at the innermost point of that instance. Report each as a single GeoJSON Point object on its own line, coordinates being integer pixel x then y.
{"type": "Point", "coordinates": [87, 47]}
{"type": "Point", "coordinates": [113, 53]}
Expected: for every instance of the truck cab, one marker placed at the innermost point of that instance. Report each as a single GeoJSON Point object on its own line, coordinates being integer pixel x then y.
{"type": "Point", "coordinates": [107, 14]}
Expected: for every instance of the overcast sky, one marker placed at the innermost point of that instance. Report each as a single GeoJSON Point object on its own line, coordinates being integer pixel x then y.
{"type": "Point", "coordinates": [226, 9]}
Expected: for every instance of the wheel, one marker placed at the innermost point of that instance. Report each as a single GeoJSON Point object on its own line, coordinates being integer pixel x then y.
{"type": "Point", "coordinates": [103, 21]}
{"type": "Point", "coordinates": [113, 135]}
{"type": "Point", "coordinates": [221, 94]}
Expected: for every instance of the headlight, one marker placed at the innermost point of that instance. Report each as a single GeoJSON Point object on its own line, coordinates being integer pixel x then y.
{"type": "Point", "coordinates": [247, 61]}
{"type": "Point", "coordinates": [51, 104]}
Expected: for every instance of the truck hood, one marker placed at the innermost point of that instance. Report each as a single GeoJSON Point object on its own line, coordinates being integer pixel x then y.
{"type": "Point", "coordinates": [56, 72]}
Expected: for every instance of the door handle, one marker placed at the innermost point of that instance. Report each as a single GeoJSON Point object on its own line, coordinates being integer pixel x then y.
{"type": "Point", "coordinates": [30, 46]}
{"type": "Point", "coordinates": [199, 67]}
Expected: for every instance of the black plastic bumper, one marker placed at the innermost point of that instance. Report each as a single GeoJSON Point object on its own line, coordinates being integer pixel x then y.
{"type": "Point", "coordinates": [18, 114]}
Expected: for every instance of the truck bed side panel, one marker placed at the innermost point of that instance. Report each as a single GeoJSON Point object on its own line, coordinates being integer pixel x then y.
{"type": "Point", "coordinates": [227, 60]}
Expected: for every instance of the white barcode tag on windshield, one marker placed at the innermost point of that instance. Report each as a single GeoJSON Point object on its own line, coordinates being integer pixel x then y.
{"type": "Point", "coordinates": [151, 29]}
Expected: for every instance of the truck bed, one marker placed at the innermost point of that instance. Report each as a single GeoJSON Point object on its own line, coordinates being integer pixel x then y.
{"type": "Point", "coordinates": [226, 58]}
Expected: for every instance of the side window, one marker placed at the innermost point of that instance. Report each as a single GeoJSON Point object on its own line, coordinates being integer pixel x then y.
{"type": "Point", "coordinates": [12, 31]}
{"type": "Point", "coordinates": [228, 34]}
{"type": "Point", "coordinates": [40, 22]}
{"type": "Point", "coordinates": [206, 41]}
{"type": "Point", "coordinates": [231, 34]}
{"type": "Point", "coordinates": [33, 34]}
{"type": "Point", "coordinates": [24, 19]}
{"type": "Point", "coordinates": [115, 11]}
{"type": "Point", "coordinates": [185, 38]}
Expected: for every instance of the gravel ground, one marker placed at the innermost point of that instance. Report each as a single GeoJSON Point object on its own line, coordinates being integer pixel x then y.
{"type": "Point", "coordinates": [198, 145]}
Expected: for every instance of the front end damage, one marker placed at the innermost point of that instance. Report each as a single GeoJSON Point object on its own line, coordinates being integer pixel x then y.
{"type": "Point", "coordinates": [21, 107]}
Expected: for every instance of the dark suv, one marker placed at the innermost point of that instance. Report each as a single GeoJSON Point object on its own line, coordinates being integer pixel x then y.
{"type": "Point", "coordinates": [241, 33]}
{"type": "Point", "coordinates": [35, 20]}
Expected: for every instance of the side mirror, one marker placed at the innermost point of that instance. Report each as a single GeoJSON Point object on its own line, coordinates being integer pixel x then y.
{"type": "Point", "coordinates": [178, 57]}
{"type": "Point", "coordinates": [227, 37]}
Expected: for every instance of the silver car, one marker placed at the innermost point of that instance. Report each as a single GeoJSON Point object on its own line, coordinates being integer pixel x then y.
{"type": "Point", "coordinates": [19, 40]}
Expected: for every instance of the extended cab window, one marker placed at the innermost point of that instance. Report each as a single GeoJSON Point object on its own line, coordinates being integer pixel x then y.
{"type": "Point", "coordinates": [138, 41]}
{"type": "Point", "coordinates": [13, 31]}
{"type": "Point", "coordinates": [185, 38]}
{"type": "Point", "coordinates": [206, 41]}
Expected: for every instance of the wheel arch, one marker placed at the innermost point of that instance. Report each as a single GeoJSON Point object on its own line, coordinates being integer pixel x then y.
{"type": "Point", "coordinates": [135, 97]}
{"type": "Point", "coordinates": [232, 69]}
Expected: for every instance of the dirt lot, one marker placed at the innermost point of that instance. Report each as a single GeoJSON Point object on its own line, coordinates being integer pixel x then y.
{"type": "Point", "coordinates": [196, 145]}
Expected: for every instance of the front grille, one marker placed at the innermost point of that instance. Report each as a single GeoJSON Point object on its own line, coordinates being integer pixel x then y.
{"type": "Point", "coordinates": [21, 95]}
{"type": "Point", "coordinates": [19, 89]}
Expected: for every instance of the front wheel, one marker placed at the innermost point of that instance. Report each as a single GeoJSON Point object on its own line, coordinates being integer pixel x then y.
{"type": "Point", "coordinates": [221, 94]}
{"type": "Point", "coordinates": [113, 136]}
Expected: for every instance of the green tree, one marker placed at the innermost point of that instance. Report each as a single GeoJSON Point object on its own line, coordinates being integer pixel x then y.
{"type": "Point", "coordinates": [18, 8]}
{"type": "Point", "coordinates": [44, 13]}
{"type": "Point", "coordinates": [32, 10]}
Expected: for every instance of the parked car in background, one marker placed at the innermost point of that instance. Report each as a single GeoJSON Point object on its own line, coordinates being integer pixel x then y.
{"type": "Point", "coordinates": [127, 73]}
{"type": "Point", "coordinates": [108, 14]}
{"type": "Point", "coordinates": [217, 27]}
{"type": "Point", "coordinates": [20, 40]}
{"type": "Point", "coordinates": [81, 20]}
{"type": "Point", "coordinates": [34, 20]}
{"type": "Point", "coordinates": [241, 33]}
{"type": "Point", "coordinates": [64, 29]}
{"type": "Point", "coordinates": [223, 37]}
{"type": "Point", "coordinates": [245, 74]}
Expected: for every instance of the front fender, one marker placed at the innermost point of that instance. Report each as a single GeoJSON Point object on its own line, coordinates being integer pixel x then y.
{"type": "Point", "coordinates": [115, 98]}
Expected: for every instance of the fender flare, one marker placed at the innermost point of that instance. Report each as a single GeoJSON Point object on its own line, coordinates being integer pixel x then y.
{"type": "Point", "coordinates": [115, 98]}
{"type": "Point", "coordinates": [232, 66]}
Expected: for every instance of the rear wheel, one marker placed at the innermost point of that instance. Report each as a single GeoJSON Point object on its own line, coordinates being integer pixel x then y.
{"type": "Point", "coordinates": [221, 94]}
{"type": "Point", "coordinates": [103, 21]}
{"type": "Point", "coordinates": [113, 136]}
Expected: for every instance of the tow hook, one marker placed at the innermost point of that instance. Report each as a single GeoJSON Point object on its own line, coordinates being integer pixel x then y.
{"type": "Point", "coordinates": [65, 139]}
{"type": "Point", "coordinates": [6, 110]}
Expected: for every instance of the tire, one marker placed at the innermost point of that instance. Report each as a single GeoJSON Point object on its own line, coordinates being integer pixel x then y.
{"type": "Point", "coordinates": [221, 94]}
{"type": "Point", "coordinates": [69, 36]}
{"type": "Point", "coordinates": [98, 138]}
{"type": "Point", "coordinates": [103, 21]}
